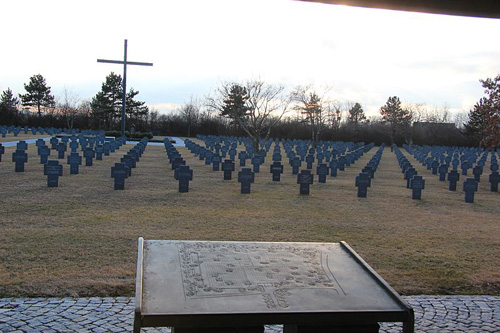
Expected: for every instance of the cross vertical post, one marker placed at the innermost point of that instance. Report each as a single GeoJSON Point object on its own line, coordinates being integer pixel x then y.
{"type": "Point", "coordinates": [124, 96]}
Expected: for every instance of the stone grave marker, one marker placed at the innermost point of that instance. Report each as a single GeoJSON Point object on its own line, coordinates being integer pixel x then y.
{"type": "Point", "coordinates": [106, 148]}
{"type": "Point", "coordinates": [369, 170]}
{"type": "Point", "coordinates": [296, 163]}
{"type": "Point", "coordinates": [309, 161]}
{"type": "Point", "coordinates": [183, 174]}
{"type": "Point", "coordinates": [22, 145]}
{"type": "Point", "coordinates": [322, 171]}
{"type": "Point", "coordinates": [453, 178]}
{"type": "Point", "coordinates": [99, 150]}
{"type": "Point", "coordinates": [44, 153]}
{"type": "Point", "coordinates": [61, 149]}
{"type": "Point", "coordinates": [216, 159]}
{"type": "Point", "coordinates": [363, 181]}
{"type": "Point", "coordinates": [52, 169]}
{"type": "Point", "coordinates": [276, 170]}
{"type": "Point", "coordinates": [443, 170]}
{"type": "Point", "coordinates": [246, 178]}
{"type": "Point", "coordinates": [89, 154]}
{"type": "Point", "coordinates": [114, 146]}
{"type": "Point", "coordinates": [428, 163]}
{"type": "Point", "coordinates": [177, 162]}
{"type": "Point", "coordinates": [119, 173]}
{"type": "Point", "coordinates": [494, 179]}
{"type": "Point", "coordinates": [434, 167]}
{"type": "Point", "coordinates": [320, 157]}
{"type": "Point", "coordinates": [334, 165]}
{"type": "Point", "coordinates": [417, 184]}
{"type": "Point", "coordinates": [228, 168]}
{"type": "Point", "coordinates": [202, 154]}
{"type": "Point", "coordinates": [465, 167]}
{"type": "Point", "coordinates": [342, 163]}
{"type": "Point", "coordinates": [39, 143]}
{"type": "Point", "coordinates": [129, 162]}
{"type": "Point", "coordinates": [53, 142]}
{"type": "Point", "coordinates": [73, 145]}
{"type": "Point", "coordinates": [232, 154]}
{"type": "Point", "coordinates": [305, 178]}
{"type": "Point", "coordinates": [470, 187]}
{"type": "Point", "coordinates": [135, 156]}
{"type": "Point", "coordinates": [409, 173]}
{"type": "Point", "coordinates": [256, 162]}
{"type": "Point", "coordinates": [477, 171]}
{"type": "Point", "coordinates": [74, 161]}
{"type": "Point", "coordinates": [348, 160]}
{"type": "Point", "coordinates": [19, 157]}
{"type": "Point", "coordinates": [208, 157]}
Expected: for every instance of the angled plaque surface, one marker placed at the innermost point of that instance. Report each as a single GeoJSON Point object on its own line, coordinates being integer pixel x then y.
{"type": "Point", "coordinates": [190, 277]}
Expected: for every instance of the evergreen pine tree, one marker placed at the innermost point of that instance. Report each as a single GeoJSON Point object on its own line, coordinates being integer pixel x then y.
{"type": "Point", "coordinates": [38, 94]}
{"type": "Point", "coordinates": [395, 115]}
{"type": "Point", "coordinates": [8, 107]}
{"type": "Point", "coordinates": [235, 103]}
{"type": "Point", "coordinates": [107, 104]}
{"type": "Point", "coordinates": [484, 118]}
{"type": "Point", "coordinates": [356, 114]}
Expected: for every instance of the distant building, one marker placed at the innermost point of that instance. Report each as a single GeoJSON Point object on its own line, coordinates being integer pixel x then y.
{"type": "Point", "coordinates": [430, 133]}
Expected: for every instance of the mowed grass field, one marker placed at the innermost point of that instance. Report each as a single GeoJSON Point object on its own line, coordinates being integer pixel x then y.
{"type": "Point", "coordinates": [80, 239]}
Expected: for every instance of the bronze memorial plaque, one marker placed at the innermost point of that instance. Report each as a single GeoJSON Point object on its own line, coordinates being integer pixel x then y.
{"type": "Point", "coordinates": [284, 280]}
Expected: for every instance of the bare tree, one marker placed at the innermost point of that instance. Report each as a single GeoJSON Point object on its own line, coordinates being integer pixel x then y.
{"type": "Point", "coordinates": [67, 106]}
{"type": "Point", "coordinates": [255, 105]}
{"type": "Point", "coordinates": [334, 115]}
{"type": "Point", "coordinates": [317, 109]}
{"type": "Point", "coordinates": [190, 113]}
{"type": "Point", "coordinates": [461, 119]}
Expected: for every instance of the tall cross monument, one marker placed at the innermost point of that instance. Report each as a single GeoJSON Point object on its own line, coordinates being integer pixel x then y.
{"type": "Point", "coordinates": [125, 63]}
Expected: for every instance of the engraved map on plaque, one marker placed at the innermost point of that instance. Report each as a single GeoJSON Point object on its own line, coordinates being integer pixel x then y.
{"type": "Point", "coordinates": [211, 269]}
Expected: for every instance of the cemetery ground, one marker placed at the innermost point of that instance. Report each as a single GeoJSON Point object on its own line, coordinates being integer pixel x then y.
{"type": "Point", "coordinates": [80, 239]}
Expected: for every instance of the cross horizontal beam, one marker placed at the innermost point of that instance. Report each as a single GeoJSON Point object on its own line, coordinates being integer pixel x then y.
{"type": "Point", "coordinates": [127, 62]}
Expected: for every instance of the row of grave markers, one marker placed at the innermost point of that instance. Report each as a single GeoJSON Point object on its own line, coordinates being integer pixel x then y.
{"type": "Point", "coordinates": [210, 154]}
{"type": "Point", "coordinates": [363, 180]}
{"type": "Point", "coordinates": [469, 187]}
{"type": "Point", "coordinates": [414, 181]}
{"type": "Point", "coordinates": [52, 169]}
{"type": "Point", "coordinates": [440, 159]}
{"type": "Point", "coordinates": [123, 169]}
{"type": "Point", "coordinates": [51, 131]}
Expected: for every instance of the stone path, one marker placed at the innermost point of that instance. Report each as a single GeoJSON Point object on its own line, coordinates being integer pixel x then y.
{"type": "Point", "coordinates": [115, 314]}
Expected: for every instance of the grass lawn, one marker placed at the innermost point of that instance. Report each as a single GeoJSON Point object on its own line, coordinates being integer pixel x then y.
{"type": "Point", "coordinates": [80, 239]}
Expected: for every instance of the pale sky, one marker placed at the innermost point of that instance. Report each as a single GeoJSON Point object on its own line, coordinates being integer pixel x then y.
{"type": "Point", "coordinates": [366, 55]}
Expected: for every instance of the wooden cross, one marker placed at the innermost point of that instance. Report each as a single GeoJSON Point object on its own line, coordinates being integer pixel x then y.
{"type": "Point", "coordinates": [125, 63]}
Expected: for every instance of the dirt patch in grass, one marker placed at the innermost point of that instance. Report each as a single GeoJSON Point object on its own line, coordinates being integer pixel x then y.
{"type": "Point", "coordinates": [80, 239]}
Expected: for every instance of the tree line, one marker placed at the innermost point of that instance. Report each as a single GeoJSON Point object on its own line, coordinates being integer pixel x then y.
{"type": "Point", "coordinates": [260, 110]}
{"type": "Point", "coordinates": [39, 107]}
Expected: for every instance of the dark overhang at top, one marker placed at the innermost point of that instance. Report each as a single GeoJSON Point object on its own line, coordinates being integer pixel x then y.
{"type": "Point", "coordinates": [474, 8]}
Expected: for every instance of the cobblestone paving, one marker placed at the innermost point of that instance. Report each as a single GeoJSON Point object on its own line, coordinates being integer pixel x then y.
{"type": "Point", "coordinates": [115, 314]}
